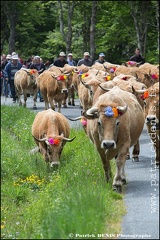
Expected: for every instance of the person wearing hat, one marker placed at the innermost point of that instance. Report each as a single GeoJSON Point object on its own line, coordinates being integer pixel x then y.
{"type": "Point", "coordinates": [37, 64]}
{"type": "Point", "coordinates": [70, 60]}
{"type": "Point", "coordinates": [61, 61]}
{"type": "Point", "coordinates": [101, 58]}
{"type": "Point", "coordinates": [10, 69]}
{"type": "Point", "coordinates": [86, 60]}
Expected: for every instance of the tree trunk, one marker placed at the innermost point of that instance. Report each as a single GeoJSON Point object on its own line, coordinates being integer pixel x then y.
{"type": "Point", "coordinates": [12, 16]}
{"type": "Point", "coordinates": [69, 31]}
{"type": "Point", "coordinates": [140, 13]}
{"type": "Point", "coordinates": [93, 30]}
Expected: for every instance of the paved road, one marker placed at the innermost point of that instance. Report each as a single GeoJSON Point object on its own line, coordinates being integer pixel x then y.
{"type": "Point", "coordinates": [141, 194]}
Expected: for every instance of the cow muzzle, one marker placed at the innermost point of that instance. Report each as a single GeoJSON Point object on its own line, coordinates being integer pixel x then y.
{"type": "Point", "coordinates": [151, 119]}
{"type": "Point", "coordinates": [108, 144]}
{"type": "Point", "coordinates": [64, 90]}
{"type": "Point", "coordinates": [54, 164]}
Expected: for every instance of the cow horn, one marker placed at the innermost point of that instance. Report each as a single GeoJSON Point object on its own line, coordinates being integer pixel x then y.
{"type": "Point", "coordinates": [140, 91]}
{"type": "Point", "coordinates": [40, 140]}
{"type": "Point", "coordinates": [54, 76]}
{"type": "Point", "coordinates": [75, 119]}
{"type": "Point", "coordinates": [67, 74]}
{"type": "Point", "coordinates": [68, 139]}
{"type": "Point", "coordinates": [105, 89]}
{"type": "Point", "coordinates": [75, 70]}
{"type": "Point", "coordinates": [97, 72]}
{"type": "Point", "coordinates": [122, 109]}
{"type": "Point", "coordinates": [84, 83]}
{"type": "Point", "coordinates": [60, 70]}
{"type": "Point", "coordinates": [91, 111]}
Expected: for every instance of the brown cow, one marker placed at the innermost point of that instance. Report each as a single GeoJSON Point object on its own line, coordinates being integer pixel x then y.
{"type": "Point", "coordinates": [151, 111]}
{"type": "Point", "coordinates": [114, 124]}
{"type": "Point", "coordinates": [53, 86]}
{"type": "Point", "coordinates": [25, 83]}
{"type": "Point", "coordinates": [51, 131]}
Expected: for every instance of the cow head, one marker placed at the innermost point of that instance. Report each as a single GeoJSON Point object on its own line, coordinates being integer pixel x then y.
{"type": "Point", "coordinates": [51, 148]}
{"type": "Point", "coordinates": [108, 120]}
{"type": "Point", "coordinates": [62, 82]}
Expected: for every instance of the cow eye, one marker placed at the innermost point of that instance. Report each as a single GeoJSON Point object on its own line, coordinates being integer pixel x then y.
{"type": "Point", "coordinates": [117, 123]}
{"type": "Point", "coordinates": [99, 124]}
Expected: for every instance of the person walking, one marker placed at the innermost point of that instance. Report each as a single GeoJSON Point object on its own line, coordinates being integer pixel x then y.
{"type": "Point", "coordinates": [61, 61]}
{"type": "Point", "coordinates": [85, 60]}
{"type": "Point", "coordinates": [39, 65]}
{"type": "Point", "coordinates": [10, 69]}
{"type": "Point", "coordinates": [137, 57]}
{"type": "Point", "coordinates": [101, 58]}
{"type": "Point", "coordinates": [70, 60]}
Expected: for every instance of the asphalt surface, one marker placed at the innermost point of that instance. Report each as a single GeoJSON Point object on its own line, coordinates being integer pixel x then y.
{"type": "Point", "coordinates": [141, 194]}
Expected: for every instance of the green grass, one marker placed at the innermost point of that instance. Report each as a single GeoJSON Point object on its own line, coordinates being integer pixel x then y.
{"type": "Point", "coordinates": [40, 203]}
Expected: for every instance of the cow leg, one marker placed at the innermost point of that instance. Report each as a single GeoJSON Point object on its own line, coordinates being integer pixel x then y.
{"type": "Point", "coordinates": [25, 99]}
{"type": "Point", "coordinates": [34, 101]}
{"type": "Point", "coordinates": [135, 152]}
{"type": "Point", "coordinates": [65, 99]}
{"type": "Point", "coordinates": [106, 165]}
{"type": "Point", "coordinates": [120, 177]}
{"type": "Point", "coordinates": [72, 96]}
{"type": "Point", "coordinates": [19, 99]}
{"type": "Point", "coordinates": [59, 107]}
{"type": "Point", "coordinates": [51, 102]}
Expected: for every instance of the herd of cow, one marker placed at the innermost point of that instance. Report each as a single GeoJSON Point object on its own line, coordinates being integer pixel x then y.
{"type": "Point", "coordinates": [116, 101]}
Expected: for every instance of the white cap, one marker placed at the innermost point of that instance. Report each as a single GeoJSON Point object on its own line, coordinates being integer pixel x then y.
{"type": "Point", "coordinates": [62, 54]}
{"type": "Point", "coordinates": [70, 54]}
{"type": "Point", "coordinates": [9, 56]}
{"type": "Point", "coordinates": [101, 55]}
{"type": "Point", "coordinates": [15, 57]}
{"type": "Point", "coordinates": [86, 54]}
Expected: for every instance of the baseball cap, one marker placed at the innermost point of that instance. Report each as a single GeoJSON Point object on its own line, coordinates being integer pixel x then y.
{"type": "Point", "coordinates": [15, 57]}
{"type": "Point", "coordinates": [9, 56]}
{"type": "Point", "coordinates": [62, 54]}
{"type": "Point", "coordinates": [70, 54]}
{"type": "Point", "coordinates": [101, 55]}
{"type": "Point", "coordinates": [86, 54]}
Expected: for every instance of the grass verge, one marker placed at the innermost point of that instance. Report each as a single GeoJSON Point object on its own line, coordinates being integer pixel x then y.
{"type": "Point", "coordinates": [73, 201]}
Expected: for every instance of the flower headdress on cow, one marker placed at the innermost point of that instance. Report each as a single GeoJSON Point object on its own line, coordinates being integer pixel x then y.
{"type": "Point", "coordinates": [112, 112]}
{"type": "Point", "coordinates": [53, 141]}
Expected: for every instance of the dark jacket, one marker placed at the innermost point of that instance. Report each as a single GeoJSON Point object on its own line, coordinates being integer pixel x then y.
{"type": "Point", "coordinates": [59, 63]}
{"type": "Point", "coordinates": [40, 67]}
{"type": "Point", "coordinates": [7, 70]}
{"type": "Point", "coordinates": [86, 62]}
{"type": "Point", "coordinates": [138, 59]}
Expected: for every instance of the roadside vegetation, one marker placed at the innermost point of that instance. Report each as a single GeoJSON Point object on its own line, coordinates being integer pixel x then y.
{"type": "Point", "coordinates": [38, 202]}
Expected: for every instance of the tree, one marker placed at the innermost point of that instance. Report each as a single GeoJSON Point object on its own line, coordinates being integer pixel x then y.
{"type": "Point", "coordinates": [93, 30]}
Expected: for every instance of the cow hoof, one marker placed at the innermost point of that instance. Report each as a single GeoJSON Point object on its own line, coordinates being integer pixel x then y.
{"type": "Point", "coordinates": [127, 157]}
{"type": "Point", "coordinates": [117, 189]}
{"type": "Point", "coordinates": [124, 182]}
{"type": "Point", "coordinates": [135, 159]}
{"type": "Point", "coordinates": [69, 103]}
{"type": "Point", "coordinates": [157, 165]}
{"type": "Point", "coordinates": [73, 104]}
{"type": "Point", "coordinates": [34, 108]}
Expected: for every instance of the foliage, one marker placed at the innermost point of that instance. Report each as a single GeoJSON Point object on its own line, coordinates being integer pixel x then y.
{"type": "Point", "coordinates": [43, 203]}
{"type": "Point", "coordinates": [38, 29]}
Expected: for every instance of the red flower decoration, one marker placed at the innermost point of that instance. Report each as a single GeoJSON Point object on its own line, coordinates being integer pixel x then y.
{"type": "Point", "coordinates": [124, 78]}
{"type": "Point", "coordinates": [54, 141]}
{"type": "Point", "coordinates": [61, 78]}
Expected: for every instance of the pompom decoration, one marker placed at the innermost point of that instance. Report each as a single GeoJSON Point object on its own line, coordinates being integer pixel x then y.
{"type": "Point", "coordinates": [32, 71]}
{"type": "Point", "coordinates": [112, 70]}
{"type": "Point", "coordinates": [108, 112]}
{"type": "Point", "coordinates": [131, 62]}
{"type": "Point", "coordinates": [111, 112]}
{"type": "Point", "coordinates": [108, 78]}
{"type": "Point", "coordinates": [124, 78]}
{"type": "Point", "coordinates": [84, 122]}
{"type": "Point", "coordinates": [53, 141]}
{"type": "Point", "coordinates": [154, 76]}
{"type": "Point", "coordinates": [85, 75]}
{"type": "Point", "coordinates": [80, 72]}
{"type": "Point", "coordinates": [61, 78]}
{"type": "Point", "coordinates": [145, 95]}
{"type": "Point", "coordinates": [116, 113]}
